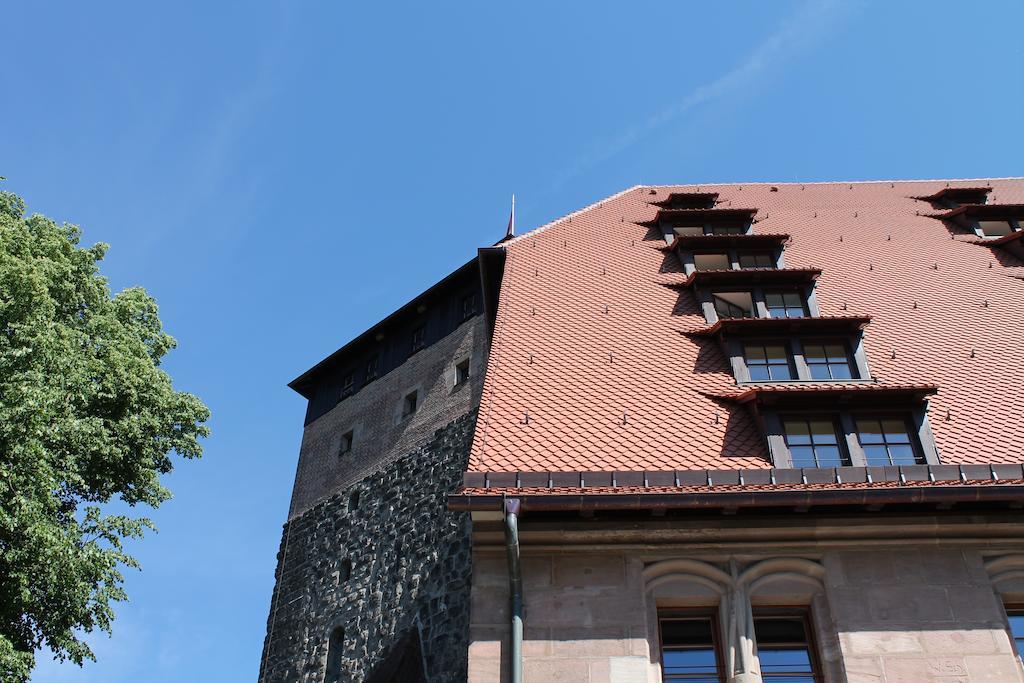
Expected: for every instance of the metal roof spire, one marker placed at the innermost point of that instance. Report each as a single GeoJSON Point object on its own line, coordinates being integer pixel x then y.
{"type": "Point", "coordinates": [511, 232]}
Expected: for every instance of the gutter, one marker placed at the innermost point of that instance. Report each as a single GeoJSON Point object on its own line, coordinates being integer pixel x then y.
{"type": "Point", "coordinates": [515, 585]}
{"type": "Point", "coordinates": [549, 502]}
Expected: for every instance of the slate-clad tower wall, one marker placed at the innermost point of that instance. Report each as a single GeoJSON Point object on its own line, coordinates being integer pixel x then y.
{"type": "Point", "coordinates": [372, 579]}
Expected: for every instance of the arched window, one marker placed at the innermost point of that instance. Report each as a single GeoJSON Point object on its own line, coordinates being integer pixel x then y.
{"type": "Point", "coordinates": [335, 650]}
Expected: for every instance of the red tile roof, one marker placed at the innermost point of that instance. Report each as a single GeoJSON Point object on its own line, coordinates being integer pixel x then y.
{"type": "Point", "coordinates": [588, 370]}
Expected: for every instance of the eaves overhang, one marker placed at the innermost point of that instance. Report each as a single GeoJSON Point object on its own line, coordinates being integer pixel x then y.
{"type": "Point", "coordinates": [975, 211]}
{"type": "Point", "coordinates": [957, 194]}
{"type": "Point", "coordinates": [750, 276]}
{"type": "Point", "coordinates": [741, 327]}
{"type": "Point", "coordinates": [747, 241]}
{"type": "Point", "coordinates": [1009, 492]}
{"type": "Point", "coordinates": [710, 198]}
{"type": "Point", "coordinates": [837, 393]}
{"type": "Point", "coordinates": [699, 216]}
{"type": "Point", "coordinates": [304, 382]}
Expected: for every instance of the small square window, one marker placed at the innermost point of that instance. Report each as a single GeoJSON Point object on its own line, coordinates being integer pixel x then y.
{"type": "Point", "coordinates": [768, 362]}
{"type": "Point", "coordinates": [462, 373]}
{"type": "Point", "coordinates": [887, 442]}
{"type": "Point", "coordinates": [346, 442]}
{"type": "Point", "coordinates": [348, 386]}
{"type": "Point", "coordinates": [711, 262]}
{"type": "Point", "coordinates": [995, 228]}
{"type": "Point", "coordinates": [785, 305]}
{"type": "Point", "coordinates": [468, 306]}
{"type": "Point", "coordinates": [733, 304]}
{"type": "Point", "coordinates": [372, 368]}
{"type": "Point", "coordinates": [409, 404]}
{"type": "Point", "coordinates": [813, 443]}
{"type": "Point", "coordinates": [757, 260]}
{"type": "Point", "coordinates": [828, 361]}
{"type": "Point", "coordinates": [419, 336]}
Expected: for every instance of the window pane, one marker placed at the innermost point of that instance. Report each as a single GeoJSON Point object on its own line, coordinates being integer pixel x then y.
{"type": "Point", "coordinates": [727, 230]}
{"type": "Point", "coordinates": [689, 230]}
{"type": "Point", "coordinates": [995, 228]}
{"type": "Point", "coordinates": [819, 372]}
{"type": "Point", "coordinates": [756, 261]}
{"type": "Point", "coordinates": [776, 353]}
{"type": "Point", "coordinates": [755, 352]}
{"type": "Point", "coordinates": [711, 262]}
{"type": "Point", "coordinates": [782, 649]}
{"type": "Point", "coordinates": [803, 456]}
{"type": "Point", "coordinates": [895, 431]}
{"type": "Point", "coordinates": [869, 431]}
{"type": "Point", "coordinates": [835, 353]}
{"type": "Point", "coordinates": [823, 432]}
{"type": "Point", "coordinates": [688, 651]}
{"type": "Point", "coordinates": [686, 631]}
{"type": "Point", "coordinates": [792, 299]}
{"type": "Point", "coordinates": [1017, 625]}
{"type": "Point", "coordinates": [829, 456]}
{"type": "Point", "coordinates": [759, 373]}
{"type": "Point", "coordinates": [797, 432]}
{"type": "Point", "coordinates": [1017, 630]}
{"type": "Point", "coordinates": [781, 372]}
{"type": "Point", "coordinates": [902, 454]}
{"type": "Point", "coordinates": [689, 661]}
{"type": "Point", "coordinates": [840, 371]}
{"type": "Point", "coordinates": [779, 660]}
{"type": "Point", "coordinates": [877, 456]}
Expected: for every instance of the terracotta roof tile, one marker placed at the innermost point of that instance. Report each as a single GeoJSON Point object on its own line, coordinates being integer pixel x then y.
{"type": "Point", "coordinates": [587, 338]}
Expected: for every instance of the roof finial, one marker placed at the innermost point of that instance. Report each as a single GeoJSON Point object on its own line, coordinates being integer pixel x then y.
{"type": "Point", "coordinates": [511, 232]}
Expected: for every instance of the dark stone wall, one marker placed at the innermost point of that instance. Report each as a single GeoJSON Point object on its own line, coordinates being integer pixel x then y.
{"type": "Point", "coordinates": [410, 571]}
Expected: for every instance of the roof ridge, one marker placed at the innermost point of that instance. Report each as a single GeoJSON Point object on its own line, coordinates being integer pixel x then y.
{"type": "Point", "coordinates": [834, 182]}
{"type": "Point", "coordinates": [586, 208]}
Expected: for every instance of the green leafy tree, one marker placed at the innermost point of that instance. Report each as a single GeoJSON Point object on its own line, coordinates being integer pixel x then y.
{"type": "Point", "coordinates": [87, 416]}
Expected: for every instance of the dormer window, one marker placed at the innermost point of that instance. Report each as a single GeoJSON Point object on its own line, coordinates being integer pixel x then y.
{"type": "Point", "coordinates": [712, 261]}
{"type": "Point", "coordinates": [734, 304]}
{"type": "Point", "coordinates": [996, 228]}
{"type": "Point", "coordinates": [768, 362]}
{"type": "Point", "coordinates": [828, 361]}
{"type": "Point", "coordinates": [785, 304]}
{"type": "Point", "coordinates": [688, 230]}
{"type": "Point", "coordinates": [813, 443]}
{"type": "Point", "coordinates": [887, 442]}
{"type": "Point", "coordinates": [757, 259]}
{"type": "Point", "coordinates": [725, 229]}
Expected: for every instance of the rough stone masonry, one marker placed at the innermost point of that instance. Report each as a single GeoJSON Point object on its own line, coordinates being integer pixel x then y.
{"type": "Point", "coordinates": [381, 560]}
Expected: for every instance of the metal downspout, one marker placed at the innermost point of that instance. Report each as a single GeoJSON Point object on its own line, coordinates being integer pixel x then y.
{"type": "Point", "coordinates": [515, 583]}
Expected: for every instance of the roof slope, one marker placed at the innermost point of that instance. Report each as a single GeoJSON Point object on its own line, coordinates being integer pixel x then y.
{"type": "Point", "coordinates": [590, 368]}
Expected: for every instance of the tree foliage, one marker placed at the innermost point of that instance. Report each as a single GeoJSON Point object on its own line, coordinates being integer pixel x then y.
{"type": "Point", "coordinates": [87, 416]}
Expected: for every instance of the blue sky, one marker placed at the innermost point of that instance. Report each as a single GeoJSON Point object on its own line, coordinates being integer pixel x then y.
{"type": "Point", "coordinates": [282, 175]}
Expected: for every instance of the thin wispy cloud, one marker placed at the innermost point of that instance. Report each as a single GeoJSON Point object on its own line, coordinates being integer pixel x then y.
{"type": "Point", "coordinates": [808, 26]}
